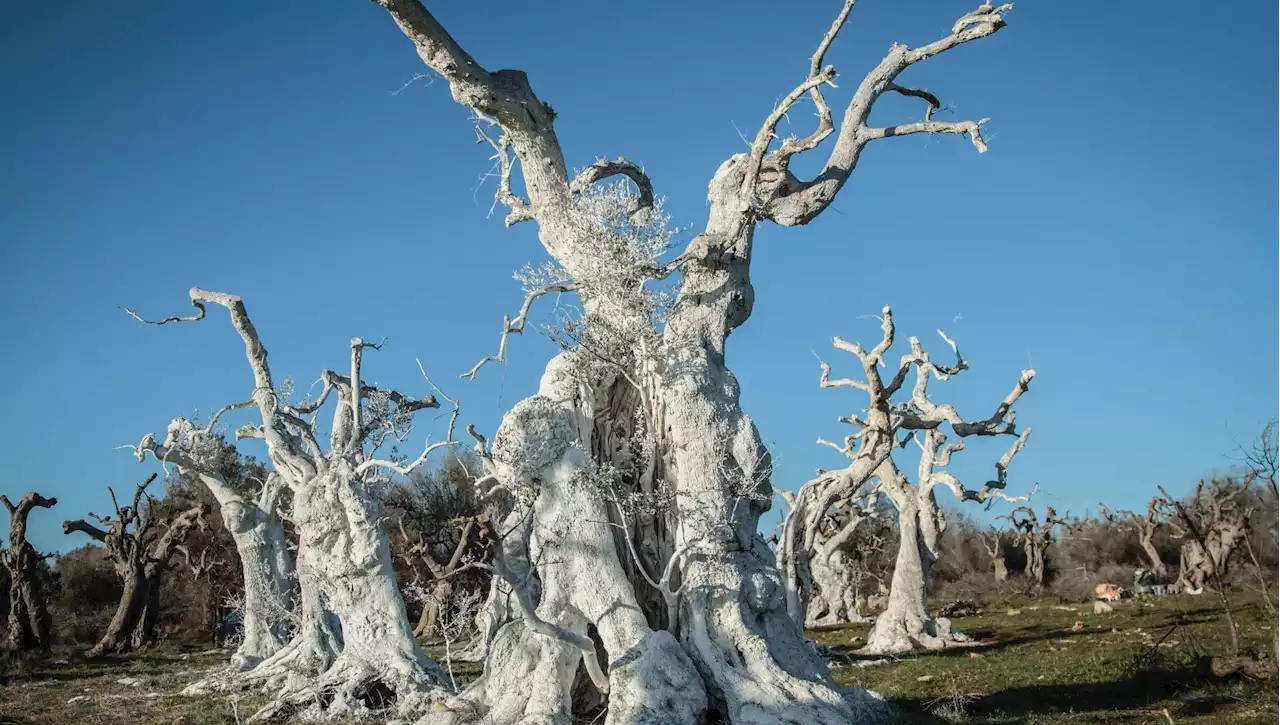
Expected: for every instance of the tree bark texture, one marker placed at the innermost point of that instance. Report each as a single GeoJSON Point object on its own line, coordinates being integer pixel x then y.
{"type": "Point", "coordinates": [28, 625]}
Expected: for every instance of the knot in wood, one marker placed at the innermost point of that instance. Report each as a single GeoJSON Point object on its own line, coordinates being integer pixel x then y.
{"type": "Point", "coordinates": [532, 437]}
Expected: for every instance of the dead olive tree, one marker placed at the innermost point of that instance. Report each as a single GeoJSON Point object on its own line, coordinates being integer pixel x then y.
{"type": "Point", "coordinates": [844, 539]}
{"type": "Point", "coordinates": [1035, 537]}
{"type": "Point", "coordinates": [642, 406]}
{"type": "Point", "coordinates": [883, 426]}
{"type": "Point", "coordinates": [464, 542]}
{"type": "Point", "coordinates": [1146, 526]}
{"type": "Point", "coordinates": [254, 525]}
{"type": "Point", "coordinates": [141, 542]}
{"type": "Point", "coordinates": [353, 649]}
{"type": "Point", "coordinates": [1212, 523]}
{"type": "Point", "coordinates": [29, 624]}
{"type": "Point", "coordinates": [993, 542]}
{"type": "Point", "coordinates": [809, 553]}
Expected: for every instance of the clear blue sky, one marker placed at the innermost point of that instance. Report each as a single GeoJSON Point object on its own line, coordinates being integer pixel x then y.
{"type": "Point", "coordinates": [1119, 236]}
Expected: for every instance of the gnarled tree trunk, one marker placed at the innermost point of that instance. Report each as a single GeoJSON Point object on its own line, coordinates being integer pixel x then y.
{"type": "Point", "coordinates": [1213, 523]}
{"type": "Point", "coordinates": [353, 651]}
{"type": "Point", "coordinates": [265, 561]}
{"type": "Point", "coordinates": [994, 544]}
{"type": "Point", "coordinates": [141, 544]}
{"type": "Point", "coordinates": [28, 625]}
{"type": "Point", "coordinates": [566, 540]}
{"type": "Point", "coordinates": [906, 624]}
{"type": "Point", "coordinates": [730, 611]}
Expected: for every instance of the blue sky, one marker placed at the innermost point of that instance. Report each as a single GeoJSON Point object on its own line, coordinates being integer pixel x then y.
{"type": "Point", "coordinates": [1118, 236]}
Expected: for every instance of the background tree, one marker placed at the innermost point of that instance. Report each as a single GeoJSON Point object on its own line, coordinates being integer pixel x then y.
{"type": "Point", "coordinates": [29, 625]}
{"type": "Point", "coordinates": [906, 622]}
{"type": "Point", "coordinates": [1146, 526]}
{"type": "Point", "coordinates": [993, 541]}
{"type": "Point", "coordinates": [141, 541]}
{"type": "Point", "coordinates": [1035, 537]}
{"type": "Point", "coordinates": [445, 536]}
{"type": "Point", "coordinates": [84, 594]}
{"type": "Point", "coordinates": [1213, 522]}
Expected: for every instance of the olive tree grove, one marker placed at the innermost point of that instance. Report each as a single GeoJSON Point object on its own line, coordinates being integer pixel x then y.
{"type": "Point", "coordinates": [637, 424]}
{"type": "Point", "coordinates": [28, 622]}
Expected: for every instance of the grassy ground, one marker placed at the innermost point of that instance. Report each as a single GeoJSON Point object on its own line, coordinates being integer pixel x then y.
{"type": "Point", "coordinates": [1038, 667]}
{"type": "Point", "coordinates": [1052, 664]}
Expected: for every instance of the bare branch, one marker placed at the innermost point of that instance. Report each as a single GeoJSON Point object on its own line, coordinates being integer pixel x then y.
{"type": "Point", "coordinates": [224, 409]}
{"type": "Point", "coordinates": [804, 200]}
{"type": "Point", "coordinates": [930, 99]}
{"type": "Point", "coordinates": [199, 315]}
{"type": "Point", "coordinates": [85, 527]}
{"type": "Point", "coordinates": [825, 381]}
{"type": "Point", "coordinates": [640, 205]}
{"type": "Point", "coordinates": [972, 128]}
{"type": "Point", "coordinates": [448, 441]}
{"type": "Point", "coordinates": [505, 96]}
{"type": "Point", "coordinates": [811, 86]}
{"type": "Point", "coordinates": [518, 209]}
{"type": "Point", "coordinates": [517, 325]}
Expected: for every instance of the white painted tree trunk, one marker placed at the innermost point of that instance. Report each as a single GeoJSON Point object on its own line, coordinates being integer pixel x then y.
{"type": "Point", "coordinates": [734, 622]}
{"type": "Point", "coordinates": [541, 450]}
{"type": "Point", "coordinates": [268, 582]}
{"type": "Point", "coordinates": [905, 624]}
{"type": "Point", "coordinates": [260, 542]}
{"type": "Point", "coordinates": [497, 610]}
{"type": "Point", "coordinates": [758, 666]}
{"type": "Point", "coordinates": [836, 599]}
{"type": "Point", "coordinates": [370, 659]}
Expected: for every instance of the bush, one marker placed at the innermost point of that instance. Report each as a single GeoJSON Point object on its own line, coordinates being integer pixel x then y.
{"type": "Point", "coordinates": [84, 595]}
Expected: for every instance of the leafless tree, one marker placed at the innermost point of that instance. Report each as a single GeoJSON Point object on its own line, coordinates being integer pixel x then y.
{"type": "Point", "coordinates": [1212, 524]}
{"type": "Point", "coordinates": [993, 542]}
{"type": "Point", "coordinates": [467, 540]}
{"type": "Point", "coordinates": [141, 542]}
{"type": "Point", "coordinates": [255, 526]}
{"type": "Point", "coordinates": [353, 639]}
{"type": "Point", "coordinates": [1262, 458]}
{"type": "Point", "coordinates": [1146, 525]}
{"type": "Point", "coordinates": [1035, 537]}
{"type": "Point", "coordinates": [1261, 463]}
{"type": "Point", "coordinates": [29, 623]}
{"type": "Point", "coordinates": [883, 426]}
